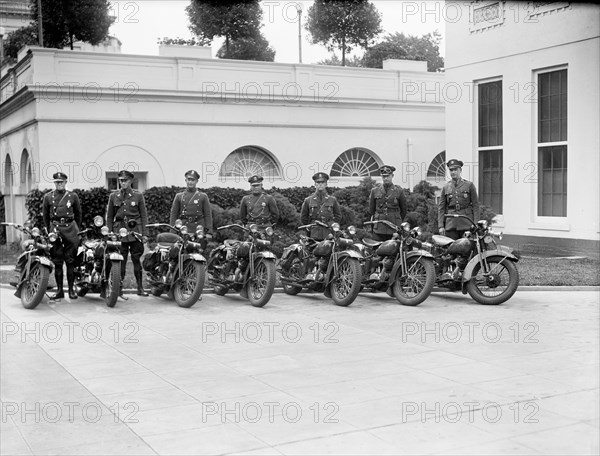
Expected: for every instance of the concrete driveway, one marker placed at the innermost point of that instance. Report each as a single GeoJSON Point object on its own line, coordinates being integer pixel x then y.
{"type": "Point", "coordinates": [302, 376]}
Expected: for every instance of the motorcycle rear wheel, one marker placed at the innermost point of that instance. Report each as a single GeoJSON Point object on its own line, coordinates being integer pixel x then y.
{"type": "Point", "coordinates": [414, 288]}
{"type": "Point", "coordinates": [113, 284]}
{"type": "Point", "coordinates": [188, 286]}
{"type": "Point", "coordinates": [262, 284]}
{"type": "Point", "coordinates": [33, 290]}
{"type": "Point", "coordinates": [496, 288]}
{"type": "Point", "coordinates": [345, 287]}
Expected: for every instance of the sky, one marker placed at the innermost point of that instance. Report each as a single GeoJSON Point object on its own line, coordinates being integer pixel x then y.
{"type": "Point", "coordinates": [139, 24]}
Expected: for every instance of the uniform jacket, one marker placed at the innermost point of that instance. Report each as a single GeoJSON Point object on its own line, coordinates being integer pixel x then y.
{"type": "Point", "coordinates": [320, 207]}
{"type": "Point", "coordinates": [59, 205]}
{"type": "Point", "coordinates": [193, 208]}
{"type": "Point", "coordinates": [260, 209]}
{"type": "Point", "coordinates": [387, 205]}
{"type": "Point", "coordinates": [125, 208]}
{"type": "Point", "coordinates": [459, 198]}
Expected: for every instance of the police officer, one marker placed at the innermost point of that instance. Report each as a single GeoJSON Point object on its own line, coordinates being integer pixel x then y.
{"type": "Point", "coordinates": [62, 213]}
{"type": "Point", "coordinates": [127, 209]}
{"type": "Point", "coordinates": [192, 206]}
{"type": "Point", "coordinates": [320, 206]}
{"type": "Point", "coordinates": [258, 207]}
{"type": "Point", "coordinates": [387, 202]}
{"type": "Point", "coordinates": [458, 197]}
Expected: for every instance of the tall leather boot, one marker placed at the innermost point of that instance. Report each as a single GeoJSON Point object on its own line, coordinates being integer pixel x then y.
{"type": "Point", "coordinates": [140, 286]}
{"type": "Point", "coordinates": [58, 275]}
{"type": "Point", "coordinates": [71, 281]}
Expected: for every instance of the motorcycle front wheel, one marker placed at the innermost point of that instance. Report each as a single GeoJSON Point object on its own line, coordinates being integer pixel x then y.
{"type": "Point", "coordinates": [345, 287]}
{"type": "Point", "coordinates": [415, 286]}
{"type": "Point", "coordinates": [113, 284]}
{"type": "Point", "coordinates": [188, 286]}
{"type": "Point", "coordinates": [497, 286]}
{"type": "Point", "coordinates": [261, 285]}
{"type": "Point", "coordinates": [34, 289]}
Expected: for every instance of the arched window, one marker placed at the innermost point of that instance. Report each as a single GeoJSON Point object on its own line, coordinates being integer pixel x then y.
{"type": "Point", "coordinates": [355, 162]}
{"type": "Point", "coordinates": [8, 175]}
{"type": "Point", "coordinates": [437, 168]}
{"type": "Point", "coordinates": [25, 170]}
{"type": "Point", "coordinates": [248, 161]}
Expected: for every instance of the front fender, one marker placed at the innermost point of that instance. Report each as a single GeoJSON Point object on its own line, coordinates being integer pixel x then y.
{"type": "Point", "coordinates": [195, 257]}
{"type": "Point", "coordinates": [45, 261]}
{"type": "Point", "coordinates": [349, 253]}
{"type": "Point", "coordinates": [421, 253]}
{"type": "Point", "coordinates": [502, 254]}
{"type": "Point", "coordinates": [115, 256]}
{"type": "Point", "coordinates": [265, 254]}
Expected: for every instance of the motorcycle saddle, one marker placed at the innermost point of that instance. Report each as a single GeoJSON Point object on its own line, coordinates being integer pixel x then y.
{"type": "Point", "coordinates": [167, 239]}
{"type": "Point", "coordinates": [442, 241]}
{"type": "Point", "coordinates": [371, 242]}
{"type": "Point", "coordinates": [231, 242]}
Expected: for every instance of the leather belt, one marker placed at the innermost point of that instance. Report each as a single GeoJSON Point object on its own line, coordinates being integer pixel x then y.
{"type": "Point", "coordinates": [62, 220]}
{"type": "Point", "coordinates": [191, 218]}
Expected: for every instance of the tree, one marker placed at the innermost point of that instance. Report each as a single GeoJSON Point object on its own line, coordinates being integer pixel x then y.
{"type": "Point", "coordinates": [248, 48]}
{"type": "Point", "coordinates": [334, 60]}
{"type": "Point", "coordinates": [232, 19]}
{"type": "Point", "coordinates": [407, 47]}
{"type": "Point", "coordinates": [181, 41]}
{"type": "Point", "coordinates": [343, 24]}
{"type": "Point", "coordinates": [18, 38]}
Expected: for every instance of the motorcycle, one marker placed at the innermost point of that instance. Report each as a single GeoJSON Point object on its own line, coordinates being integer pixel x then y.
{"type": "Point", "coordinates": [177, 266]}
{"type": "Point", "coordinates": [476, 264]}
{"type": "Point", "coordinates": [330, 266]}
{"type": "Point", "coordinates": [398, 266]}
{"type": "Point", "coordinates": [99, 262]}
{"type": "Point", "coordinates": [246, 266]}
{"type": "Point", "coordinates": [33, 266]}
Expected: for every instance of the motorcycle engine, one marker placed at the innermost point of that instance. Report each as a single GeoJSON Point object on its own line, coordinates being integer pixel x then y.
{"type": "Point", "coordinates": [388, 264]}
{"type": "Point", "coordinates": [323, 262]}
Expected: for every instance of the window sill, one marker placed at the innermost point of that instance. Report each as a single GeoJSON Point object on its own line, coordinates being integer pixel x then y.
{"type": "Point", "coordinates": [547, 226]}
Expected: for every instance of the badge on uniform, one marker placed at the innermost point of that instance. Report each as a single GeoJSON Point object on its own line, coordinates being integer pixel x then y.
{"type": "Point", "coordinates": [195, 201]}
{"type": "Point", "coordinates": [133, 203]}
{"type": "Point", "coordinates": [69, 203]}
{"type": "Point", "coordinates": [465, 195]}
{"type": "Point", "coordinates": [263, 204]}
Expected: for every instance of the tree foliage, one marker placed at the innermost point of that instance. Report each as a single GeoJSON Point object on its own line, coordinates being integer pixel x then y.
{"type": "Point", "coordinates": [334, 60]}
{"type": "Point", "coordinates": [248, 48]}
{"type": "Point", "coordinates": [343, 25]}
{"type": "Point", "coordinates": [407, 47]}
{"type": "Point", "coordinates": [194, 41]}
{"type": "Point", "coordinates": [16, 39]}
{"type": "Point", "coordinates": [233, 20]}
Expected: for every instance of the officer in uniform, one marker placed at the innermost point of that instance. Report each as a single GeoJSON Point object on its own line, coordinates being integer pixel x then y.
{"type": "Point", "coordinates": [458, 197]}
{"type": "Point", "coordinates": [387, 202]}
{"type": "Point", "coordinates": [62, 213]}
{"type": "Point", "coordinates": [127, 209]}
{"type": "Point", "coordinates": [258, 207]}
{"type": "Point", "coordinates": [192, 206]}
{"type": "Point", "coordinates": [320, 206]}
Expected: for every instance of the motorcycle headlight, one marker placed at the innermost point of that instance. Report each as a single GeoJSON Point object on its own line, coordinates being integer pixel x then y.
{"type": "Point", "coordinates": [253, 228]}
{"type": "Point", "coordinates": [35, 232]}
{"type": "Point", "coordinates": [193, 246]}
{"type": "Point", "coordinates": [98, 220]}
{"type": "Point", "coordinates": [335, 226]}
{"type": "Point", "coordinates": [482, 224]}
{"type": "Point", "coordinates": [178, 223]}
{"type": "Point", "coordinates": [184, 230]}
{"type": "Point", "coordinates": [261, 243]}
{"type": "Point", "coordinates": [405, 226]}
{"type": "Point", "coordinates": [345, 242]}
{"type": "Point", "coordinates": [352, 230]}
{"type": "Point", "coordinates": [52, 237]}
{"type": "Point", "coordinates": [269, 231]}
{"type": "Point", "coordinates": [123, 232]}
{"type": "Point", "coordinates": [104, 231]}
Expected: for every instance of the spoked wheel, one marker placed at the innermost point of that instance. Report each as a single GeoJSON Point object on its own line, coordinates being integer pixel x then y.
{"type": "Point", "coordinates": [262, 283]}
{"type": "Point", "coordinates": [495, 286]}
{"type": "Point", "coordinates": [113, 284]}
{"type": "Point", "coordinates": [34, 289]}
{"type": "Point", "coordinates": [345, 287]}
{"type": "Point", "coordinates": [295, 273]}
{"type": "Point", "coordinates": [188, 286]}
{"type": "Point", "coordinates": [414, 287]}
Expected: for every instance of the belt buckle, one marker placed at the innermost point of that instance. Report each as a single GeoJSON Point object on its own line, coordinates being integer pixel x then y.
{"type": "Point", "coordinates": [457, 207]}
{"type": "Point", "coordinates": [62, 220]}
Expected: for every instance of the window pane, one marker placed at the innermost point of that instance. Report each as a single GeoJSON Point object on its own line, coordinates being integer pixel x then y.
{"type": "Point", "coordinates": [490, 179]}
{"type": "Point", "coordinates": [552, 106]}
{"type": "Point", "coordinates": [552, 185]}
{"type": "Point", "coordinates": [490, 114]}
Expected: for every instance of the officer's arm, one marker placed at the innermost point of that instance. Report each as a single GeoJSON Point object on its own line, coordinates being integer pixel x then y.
{"type": "Point", "coordinates": [475, 202]}
{"type": "Point", "coordinates": [337, 212]}
{"type": "Point", "coordinates": [207, 211]}
{"type": "Point", "coordinates": [304, 213]}
{"type": "Point", "coordinates": [77, 210]}
{"type": "Point", "coordinates": [46, 211]}
{"type": "Point", "coordinates": [274, 210]}
{"type": "Point", "coordinates": [402, 204]}
{"type": "Point", "coordinates": [143, 215]}
{"type": "Point", "coordinates": [243, 211]}
{"type": "Point", "coordinates": [442, 208]}
{"type": "Point", "coordinates": [372, 203]}
{"type": "Point", "coordinates": [110, 214]}
{"type": "Point", "coordinates": [174, 211]}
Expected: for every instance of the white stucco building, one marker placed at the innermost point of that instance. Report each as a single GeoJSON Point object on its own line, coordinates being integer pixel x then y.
{"type": "Point", "coordinates": [526, 119]}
